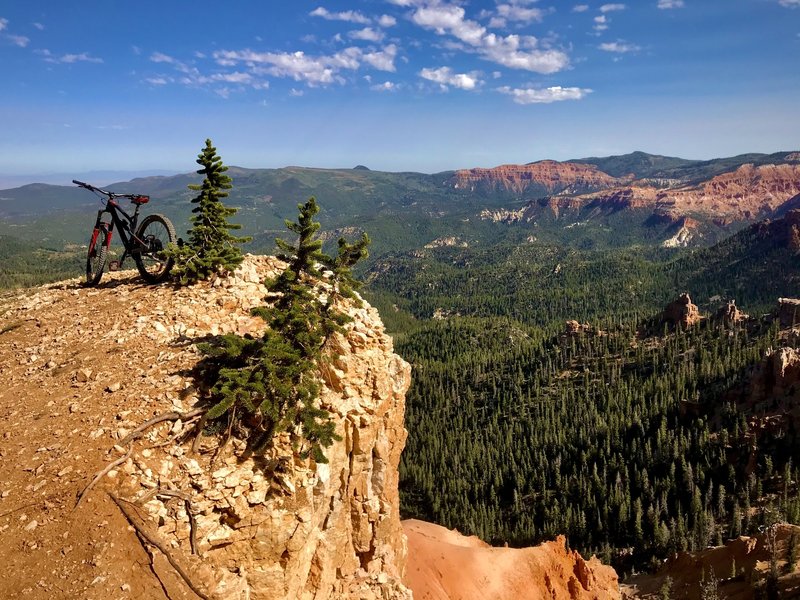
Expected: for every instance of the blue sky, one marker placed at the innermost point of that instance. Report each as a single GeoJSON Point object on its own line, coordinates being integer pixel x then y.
{"type": "Point", "coordinates": [424, 85]}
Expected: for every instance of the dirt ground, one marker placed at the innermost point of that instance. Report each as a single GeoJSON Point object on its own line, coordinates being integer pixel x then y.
{"type": "Point", "coordinates": [79, 368]}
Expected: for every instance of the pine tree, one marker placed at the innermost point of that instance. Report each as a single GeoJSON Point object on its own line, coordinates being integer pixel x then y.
{"type": "Point", "coordinates": [210, 247]}
{"type": "Point", "coordinates": [273, 381]}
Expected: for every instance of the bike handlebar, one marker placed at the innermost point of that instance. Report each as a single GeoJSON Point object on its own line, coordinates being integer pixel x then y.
{"type": "Point", "coordinates": [91, 188]}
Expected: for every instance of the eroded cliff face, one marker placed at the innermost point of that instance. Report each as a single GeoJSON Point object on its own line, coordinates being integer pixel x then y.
{"type": "Point", "coordinates": [550, 175]}
{"type": "Point", "coordinates": [279, 526]}
{"type": "Point", "coordinates": [746, 194]}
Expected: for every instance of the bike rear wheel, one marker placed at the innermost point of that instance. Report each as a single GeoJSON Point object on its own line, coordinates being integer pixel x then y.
{"type": "Point", "coordinates": [156, 233]}
{"type": "Point", "coordinates": [96, 257]}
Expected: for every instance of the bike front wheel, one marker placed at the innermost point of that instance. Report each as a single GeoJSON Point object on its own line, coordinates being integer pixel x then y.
{"type": "Point", "coordinates": [155, 233]}
{"type": "Point", "coordinates": [97, 256]}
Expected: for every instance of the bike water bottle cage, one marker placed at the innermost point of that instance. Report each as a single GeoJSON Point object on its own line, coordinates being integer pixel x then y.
{"type": "Point", "coordinates": [140, 200]}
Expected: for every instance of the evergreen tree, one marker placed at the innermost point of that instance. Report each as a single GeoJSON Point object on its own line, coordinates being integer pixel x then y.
{"type": "Point", "coordinates": [210, 247]}
{"type": "Point", "coordinates": [272, 381]}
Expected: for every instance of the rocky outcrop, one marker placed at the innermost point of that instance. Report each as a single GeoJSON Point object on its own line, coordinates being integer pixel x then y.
{"type": "Point", "coordinates": [748, 556]}
{"type": "Point", "coordinates": [681, 312]}
{"type": "Point", "coordinates": [788, 312]}
{"type": "Point", "coordinates": [548, 175]}
{"type": "Point", "coordinates": [447, 242]}
{"type": "Point", "coordinates": [444, 565]}
{"type": "Point", "coordinates": [279, 526]}
{"type": "Point", "coordinates": [729, 314]}
{"type": "Point", "coordinates": [574, 328]}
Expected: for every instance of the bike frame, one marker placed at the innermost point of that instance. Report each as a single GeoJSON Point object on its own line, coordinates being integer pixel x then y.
{"type": "Point", "coordinates": [125, 224]}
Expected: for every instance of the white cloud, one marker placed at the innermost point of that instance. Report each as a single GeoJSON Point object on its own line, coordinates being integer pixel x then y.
{"type": "Point", "coordinates": [382, 60]}
{"type": "Point", "coordinates": [601, 23]}
{"type": "Point", "coordinates": [19, 40]}
{"type": "Point", "coordinates": [159, 57]}
{"type": "Point", "coordinates": [611, 7]}
{"type": "Point", "coordinates": [157, 80]}
{"type": "Point", "coordinates": [511, 51]}
{"type": "Point", "coordinates": [790, 3]}
{"type": "Point", "coordinates": [368, 34]}
{"type": "Point", "coordinates": [313, 70]}
{"type": "Point", "coordinates": [445, 77]}
{"type": "Point", "coordinates": [235, 77]}
{"type": "Point", "coordinates": [515, 12]}
{"type": "Point", "coordinates": [619, 47]}
{"type": "Point", "coordinates": [386, 86]}
{"type": "Point", "coordinates": [544, 96]}
{"type": "Point", "coordinates": [507, 51]}
{"type": "Point", "coordinates": [387, 21]}
{"type": "Point", "coordinates": [296, 93]}
{"type": "Point", "coordinates": [38, 26]}
{"type": "Point", "coordinates": [579, 8]}
{"type": "Point", "coordinates": [3, 24]}
{"type": "Point", "coordinates": [448, 18]}
{"type": "Point", "coordinates": [351, 16]}
{"type": "Point", "coordinates": [667, 4]}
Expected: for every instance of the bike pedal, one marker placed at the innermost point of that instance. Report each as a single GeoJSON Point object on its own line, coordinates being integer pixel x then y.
{"type": "Point", "coordinates": [113, 265]}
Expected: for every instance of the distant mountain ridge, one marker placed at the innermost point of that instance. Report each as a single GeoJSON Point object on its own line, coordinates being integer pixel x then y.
{"type": "Point", "coordinates": [648, 198]}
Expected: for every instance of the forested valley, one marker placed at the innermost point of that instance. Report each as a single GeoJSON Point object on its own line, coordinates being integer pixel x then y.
{"type": "Point", "coordinates": [622, 434]}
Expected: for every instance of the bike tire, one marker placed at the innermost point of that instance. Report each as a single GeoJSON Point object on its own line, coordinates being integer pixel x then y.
{"type": "Point", "coordinates": [96, 257]}
{"type": "Point", "coordinates": [157, 232]}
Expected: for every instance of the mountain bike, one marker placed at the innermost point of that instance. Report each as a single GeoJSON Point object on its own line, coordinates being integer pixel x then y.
{"type": "Point", "coordinates": [145, 244]}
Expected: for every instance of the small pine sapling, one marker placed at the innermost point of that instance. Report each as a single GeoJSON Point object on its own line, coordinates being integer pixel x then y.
{"type": "Point", "coordinates": [210, 247]}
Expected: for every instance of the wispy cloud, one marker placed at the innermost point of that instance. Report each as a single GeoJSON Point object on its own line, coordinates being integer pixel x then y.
{"type": "Point", "coordinates": [68, 58]}
{"type": "Point", "coordinates": [3, 24]}
{"type": "Point", "coordinates": [619, 47]}
{"type": "Point", "coordinates": [668, 4]}
{"type": "Point", "coordinates": [446, 78]}
{"type": "Point", "coordinates": [313, 70]}
{"type": "Point", "coordinates": [387, 21]}
{"type": "Point", "coordinates": [38, 26]}
{"type": "Point", "coordinates": [611, 7]}
{"type": "Point", "coordinates": [513, 51]}
{"type": "Point", "coordinates": [351, 16]}
{"type": "Point", "coordinates": [579, 8]}
{"type": "Point", "coordinates": [514, 11]}
{"type": "Point", "coordinates": [545, 95]}
{"type": "Point", "coordinates": [601, 23]}
{"type": "Point", "coordinates": [790, 3]}
{"type": "Point", "coordinates": [19, 40]}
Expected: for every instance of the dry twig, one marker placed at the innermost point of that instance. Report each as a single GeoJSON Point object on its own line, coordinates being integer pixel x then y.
{"type": "Point", "coordinates": [150, 538]}
{"type": "Point", "coordinates": [170, 416]}
{"type": "Point", "coordinates": [99, 475]}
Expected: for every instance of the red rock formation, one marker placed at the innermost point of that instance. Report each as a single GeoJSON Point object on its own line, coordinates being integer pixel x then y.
{"type": "Point", "coordinates": [444, 565]}
{"type": "Point", "coordinates": [681, 312]}
{"type": "Point", "coordinates": [748, 193]}
{"type": "Point", "coordinates": [553, 176]}
{"type": "Point", "coordinates": [729, 314]}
